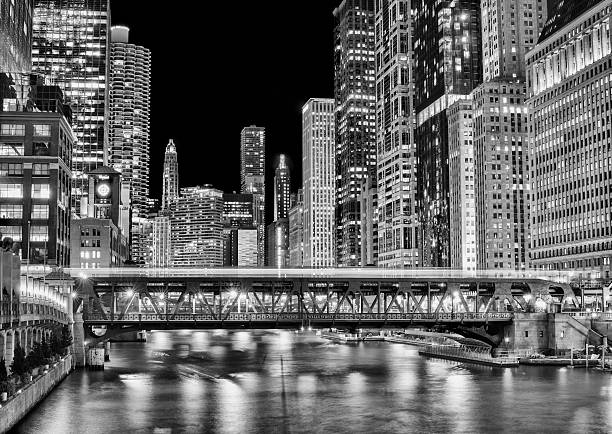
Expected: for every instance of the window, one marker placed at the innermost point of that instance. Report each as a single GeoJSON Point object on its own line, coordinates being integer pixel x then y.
{"type": "Point", "coordinates": [8, 211]}
{"type": "Point", "coordinates": [12, 129]}
{"type": "Point", "coordinates": [42, 130]}
{"type": "Point", "coordinates": [39, 233]}
{"type": "Point", "coordinates": [40, 191]}
{"type": "Point", "coordinates": [13, 232]}
{"type": "Point", "coordinates": [11, 169]}
{"type": "Point", "coordinates": [11, 148]}
{"type": "Point", "coordinates": [40, 212]}
{"type": "Point", "coordinates": [541, 333]}
{"type": "Point", "coordinates": [40, 169]}
{"type": "Point", "coordinates": [526, 333]}
{"type": "Point", "coordinates": [11, 190]}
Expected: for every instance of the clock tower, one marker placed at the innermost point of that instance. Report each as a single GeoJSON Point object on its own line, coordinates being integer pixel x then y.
{"type": "Point", "coordinates": [104, 194]}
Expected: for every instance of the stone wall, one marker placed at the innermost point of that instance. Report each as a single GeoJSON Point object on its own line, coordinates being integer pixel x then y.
{"type": "Point", "coordinates": [546, 331]}
{"type": "Point", "coordinates": [20, 404]}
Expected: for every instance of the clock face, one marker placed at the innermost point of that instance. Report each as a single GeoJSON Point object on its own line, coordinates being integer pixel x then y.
{"type": "Point", "coordinates": [103, 190]}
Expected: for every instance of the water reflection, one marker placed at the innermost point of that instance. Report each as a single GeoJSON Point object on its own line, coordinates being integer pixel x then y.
{"type": "Point", "coordinates": [279, 381]}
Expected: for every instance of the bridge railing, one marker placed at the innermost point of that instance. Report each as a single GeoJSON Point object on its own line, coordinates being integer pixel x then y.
{"type": "Point", "coordinates": [296, 317]}
{"type": "Point", "coordinates": [605, 316]}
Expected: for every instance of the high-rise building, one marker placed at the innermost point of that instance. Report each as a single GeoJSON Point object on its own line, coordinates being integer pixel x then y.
{"type": "Point", "coordinates": [282, 188]}
{"type": "Point", "coordinates": [368, 202]}
{"type": "Point", "coordinates": [253, 181]}
{"type": "Point", "coordinates": [197, 227]}
{"type": "Point", "coordinates": [447, 67]}
{"type": "Point", "coordinates": [161, 242]}
{"type": "Point", "coordinates": [129, 104]}
{"type": "Point", "coordinates": [355, 97]}
{"type": "Point", "coordinates": [16, 36]}
{"type": "Point", "coordinates": [35, 155]}
{"type": "Point", "coordinates": [70, 46]}
{"type": "Point", "coordinates": [462, 204]}
{"type": "Point", "coordinates": [569, 89]}
{"type": "Point", "coordinates": [509, 30]}
{"type": "Point", "coordinates": [319, 183]}
{"type": "Point", "coordinates": [398, 222]}
{"type": "Point", "coordinates": [170, 188]}
{"type": "Point", "coordinates": [277, 243]}
{"type": "Point", "coordinates": [239, 231]}
{"type": "Point", "coordinates": [296, 232]}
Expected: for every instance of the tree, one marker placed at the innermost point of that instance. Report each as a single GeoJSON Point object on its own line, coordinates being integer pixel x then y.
{"type": "Point", "coordinates": [35, 357]}
{"type": "Point", "coordinates": [3, 373]}
{"type": "Point", "coordinates": [19, 365]}
{"type": "Point", "coordinates": [55, 344]}
{"type": "Point", "coordinates": [66, 339]}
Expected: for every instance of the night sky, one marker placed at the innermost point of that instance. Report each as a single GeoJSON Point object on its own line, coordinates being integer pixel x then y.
{"type": "Point", "coordinates": [218, 68]}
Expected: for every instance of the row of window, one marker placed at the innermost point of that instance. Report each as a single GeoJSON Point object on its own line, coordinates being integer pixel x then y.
{"type": "Point", "coordinates": [12, 211]}
{"type": "Point", "coordinates": [15, 191]}
{"type": "Point", "coordinates": [39, 130]}
{"type": "Point", "coordinates": [16, 169]}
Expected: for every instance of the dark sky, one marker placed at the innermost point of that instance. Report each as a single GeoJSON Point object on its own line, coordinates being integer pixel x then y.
{"type": "Point", "coordinates": [224, 65]}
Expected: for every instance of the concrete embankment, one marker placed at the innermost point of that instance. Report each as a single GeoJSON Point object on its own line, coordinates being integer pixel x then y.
{"type": "Point", "coordinates": [13, 410]}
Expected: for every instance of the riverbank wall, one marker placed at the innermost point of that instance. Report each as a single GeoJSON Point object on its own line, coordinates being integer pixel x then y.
{"type": "Point", "coordinates": [20, 404]}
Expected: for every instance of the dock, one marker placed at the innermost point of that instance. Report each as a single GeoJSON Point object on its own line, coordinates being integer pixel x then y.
{"type": "Point", "coordinates": [466, 354]}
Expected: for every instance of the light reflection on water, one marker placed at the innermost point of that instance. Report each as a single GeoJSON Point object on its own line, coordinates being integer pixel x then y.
{"type": "Point", "coordinates": [277, 381]}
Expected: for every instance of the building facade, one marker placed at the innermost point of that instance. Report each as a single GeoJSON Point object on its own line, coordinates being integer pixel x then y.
{"type": "Point", "coordinates": [398, 222]}
{"type": "Point", "coordinates": [355, 123]}
{"type": "Point", "coordinates": [170, 181]}
{"type": "Point", "coordinates": [97, 243]}
{"type": "Point", "coordinates": [71, 47]}
{"type": "Point", "coordinates": [35, 155]}
{"type": "Point", "coordinates": [161, 242]}
{"type": "Point", "coordinates": [510, 29]}
{"type": "Point", "coordinates": [570, 94]}
{"type": "Point", "coordinates": [16, 35]}
{"type": "Point", "coordinates": [277, 244]}
{"type": "Point", "coordinates": [319, 184]}
{"type": "Point", "coordinates": [447, 67]}
{"type": "Point", "coordinates": [129, 136]}
{"type": "Point", "coordinates": [239, 231]}
{"type": "Point", "coordinates": [253, 180]}
{"type": "Point", "coordinates": [462, 202]}
{"type": "Point", "coordinates": [282, 188]}
{"type": "Point", "coordinates": [197, 227]}
{"type": "Point", "coordinates": [296, 232]}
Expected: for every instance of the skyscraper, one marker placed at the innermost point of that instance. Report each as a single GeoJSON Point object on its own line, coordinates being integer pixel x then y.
{"type": "Point", "coordinates": [398, 223]}
{"type": "Point", "coordinates": [319, 184]}
{"type": "Point", "coordinates": [570, 146]}
{"type": "Point", "coordinates": [129, 103]}
{"type": "Point", "coordinates": [239, 232]}
{"type": "Point", "coordinates": [70, 46]}
{"type": "Point", "coordinates": [170, 188]}
{"type": "Point", "coordinates": [197, 228]}
{"type": "Point", "coordinates": [355, 95]}
{"type": "Point", "coordinates": [16, 36]}
{"type": "Point", "coordinates": [296, 231]}
{"type": "Point", "coordinates": [501, 133]}
{"type": "Point", "coordinates": [448, 65]}
{"type": "Point", "coordinates": [282, 188]}
{"type": "Point", "coordinates": [252, 180]}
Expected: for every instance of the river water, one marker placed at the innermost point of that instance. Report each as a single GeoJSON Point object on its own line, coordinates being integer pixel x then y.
{"type": "Point", "coordinates": [282, 382]}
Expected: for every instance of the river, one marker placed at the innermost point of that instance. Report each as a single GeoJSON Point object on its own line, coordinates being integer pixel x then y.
{"type": "Point", "coordinates": [283, 382]}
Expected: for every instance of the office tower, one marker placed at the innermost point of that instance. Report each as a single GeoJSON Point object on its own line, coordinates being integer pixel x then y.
{"type": "Point", "coordinates": [319, 184]}
{"type": "Point", "coordinates": [462, 204]}
{"type": "Point", "coordinates": [355, 123]}
{"type": "Point", "coordinates": [239, 231]}
{"type": "Point", "coordinates": [197, 227]}
{"type": "Point", "coordinates": [129, 107]}
{"type": "Point", "coordinates": [161, 243]}
{"type": "Point", "coordinates": [568, 77]}
{"type": "Point", "coordinates": [447, 66]}
{"type": "Point", "coordinates": [70, 46]}
{"type": "Point", "coordinates": [510, 29]}
{"type": "Point", "coordinates": [296, 232]}
{"type": "Point", "coordinates": [398, 222]}
{"type": "Point", "coordinates": [368, 202]}
{"type": "Point", "coordinates": [252, 180]}
{"type": "Point", "coordinates": [282, 188]}
{"type": "Point", "coordinates": [16, 36]}
{"type": "Point", "coordinates": [35, 156]}
{"type": "Point", "coordinates": [277, 243]}
{"type": "Point", "coordinates": [170, 180]}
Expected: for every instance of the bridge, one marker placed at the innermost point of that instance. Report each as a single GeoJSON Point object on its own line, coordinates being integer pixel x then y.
{"type": "Point", "coordinates": [134, 298]}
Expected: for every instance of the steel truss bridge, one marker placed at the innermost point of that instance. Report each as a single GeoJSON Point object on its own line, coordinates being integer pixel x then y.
{"type": "Point", "coordinates": [293, 298]}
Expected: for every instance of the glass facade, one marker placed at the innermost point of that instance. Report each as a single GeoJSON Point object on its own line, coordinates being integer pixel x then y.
{"type": "Point", "coordinates": [70, 47]}
{"type": "Point", "coordinates": [355, 123]}
{"type": "Point", "coordinates": [16, 35]}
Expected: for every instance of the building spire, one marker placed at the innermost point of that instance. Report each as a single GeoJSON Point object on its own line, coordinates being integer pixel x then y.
{"type": "Point", "coordinates": [171, 179]}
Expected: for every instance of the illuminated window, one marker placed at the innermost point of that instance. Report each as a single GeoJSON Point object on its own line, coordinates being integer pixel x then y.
{"type": "Point", "coordinates": [12, 130]}
{"type": "Point", "coordinates": [9, 211]}
{"type": "Point", "coordinates": [11, 148]}
{"type": "Point", "coordinates": [13, 232]}
{"type": "Point", "coordinates": [11, 190]}
{"type": "Point", "coordinates": [40, 169]}
{"type": "Point", "coordinates": [11, 169]}
{"type": "Point", "coordinates": [42, 130]}
{"type": "Point", "coordinates": [40, 212]}
{"type": "Point", "coordinates": [40, 191]}
{"type": "Point", "coordinates": [39, 233]}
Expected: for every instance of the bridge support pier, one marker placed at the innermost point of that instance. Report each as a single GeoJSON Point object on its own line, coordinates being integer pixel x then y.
{"type": "Point", "coordinates": [107, 351]}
